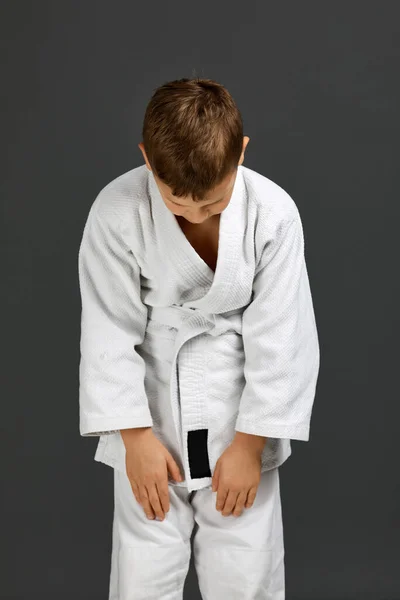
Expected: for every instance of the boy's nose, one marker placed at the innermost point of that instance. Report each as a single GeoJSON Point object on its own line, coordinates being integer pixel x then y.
{"type": "Point", "coordinates": [198, 218]}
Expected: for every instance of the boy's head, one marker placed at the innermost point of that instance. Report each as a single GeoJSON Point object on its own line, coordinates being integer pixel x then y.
{"type": "Point", "coordinates": [193, 142]}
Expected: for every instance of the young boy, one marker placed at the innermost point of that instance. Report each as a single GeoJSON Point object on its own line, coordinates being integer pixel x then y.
{"type": "Point", "coordinates": [199, 353]}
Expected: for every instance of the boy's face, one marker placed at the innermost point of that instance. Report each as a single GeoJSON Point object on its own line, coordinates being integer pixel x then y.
{"type": "Point", "coordinates": [199, 212]}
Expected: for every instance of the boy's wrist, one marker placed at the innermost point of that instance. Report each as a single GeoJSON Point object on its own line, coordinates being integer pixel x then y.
{"type": "Point", "coordinates": [133, 431]}
{"type": "Point", "coordinates": [249, 440]}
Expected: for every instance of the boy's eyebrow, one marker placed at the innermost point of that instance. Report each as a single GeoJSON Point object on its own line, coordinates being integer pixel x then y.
{"type": "Point", "coordinates": [211, 203]}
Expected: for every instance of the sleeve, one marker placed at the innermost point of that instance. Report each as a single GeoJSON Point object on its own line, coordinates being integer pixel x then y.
{"type": "Point", "coordinates": [113, 321]}
{"type": "Point", "coordinates": [280, 343]}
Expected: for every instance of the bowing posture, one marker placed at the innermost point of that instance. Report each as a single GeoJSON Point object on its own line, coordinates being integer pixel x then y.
{"type": "Point", "coordinates": [199, 353]}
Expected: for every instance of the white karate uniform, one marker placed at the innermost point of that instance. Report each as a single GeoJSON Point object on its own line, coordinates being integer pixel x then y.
{"type": "Point", "coordinates": [167, 343]}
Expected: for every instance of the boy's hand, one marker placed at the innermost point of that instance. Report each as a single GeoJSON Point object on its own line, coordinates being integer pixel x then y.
{"type": "Point", "coordinates": [237, 474]}
{"type": "Point", "coordinates": [147, 464]}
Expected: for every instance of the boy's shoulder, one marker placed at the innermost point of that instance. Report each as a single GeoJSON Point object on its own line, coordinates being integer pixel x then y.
{"type": "Point", "coordinates": [272, 201]}
{"type": "Point", "coordinates": [122, 197]}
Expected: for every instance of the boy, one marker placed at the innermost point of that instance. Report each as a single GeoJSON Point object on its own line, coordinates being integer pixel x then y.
{"type": "Point", "coordinates": [199, 353]}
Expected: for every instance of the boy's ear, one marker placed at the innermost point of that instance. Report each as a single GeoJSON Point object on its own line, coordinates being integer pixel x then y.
{"type": "Point", "coordinates": [246, 140]}
{"type": "Point", "coordinates": [143, 151]}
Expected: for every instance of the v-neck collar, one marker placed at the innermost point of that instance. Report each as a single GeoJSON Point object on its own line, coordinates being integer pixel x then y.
{"type": "Point", "coordinates": [189, 264]}
{"type": "Point", "coordinates": [190, 251]}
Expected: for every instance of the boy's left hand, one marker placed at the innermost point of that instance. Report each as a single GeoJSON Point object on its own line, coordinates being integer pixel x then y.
{"type": "Point", "coordinates": [236, 478]}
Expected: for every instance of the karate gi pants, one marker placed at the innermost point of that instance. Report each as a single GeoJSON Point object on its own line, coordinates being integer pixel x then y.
{"type": "Point", "coordinates": [236, 558]}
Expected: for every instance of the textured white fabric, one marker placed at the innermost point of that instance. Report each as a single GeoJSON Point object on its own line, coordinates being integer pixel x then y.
{"type": "Point", "coordinates": [236, 558]}
{"type": "Point", "coordinates": [167, 343]}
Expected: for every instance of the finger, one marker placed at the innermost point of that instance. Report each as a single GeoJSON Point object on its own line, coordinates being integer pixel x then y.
{"type": "Point", "coordinates": [173, 468]}
{"type": "Point", "coordinates": [241, 499]}
{"type": "Point", "coordinates": [155, 500]}
{"type": "Point", "coordinates": [229, 503]}
{"type": "Point", "coordinates": [163, 494]}
{"type": "Point", "coordinates": [145, 502]}
{"type": "Point", "coordinates": [135, 490]}
{"type": "Point", "coordinates": [221, 497]}
{"type": "Point", "coordinates": [215, 478]}
{"type": "Point", "coordinates": [251, 497]}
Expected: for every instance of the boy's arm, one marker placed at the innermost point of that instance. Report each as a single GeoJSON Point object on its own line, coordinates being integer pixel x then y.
{"type": "Point", "coordinates": [113, 321]}
{"type": "Point", "coordinates": [280, 342]}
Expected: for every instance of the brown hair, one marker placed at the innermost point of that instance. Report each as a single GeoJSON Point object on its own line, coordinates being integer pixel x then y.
{"type": "Point", "coordinates": [193, 135]}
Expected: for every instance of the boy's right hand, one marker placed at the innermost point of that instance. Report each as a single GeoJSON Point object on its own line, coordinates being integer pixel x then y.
{"type": "Point", "coordinates": [147, 464]}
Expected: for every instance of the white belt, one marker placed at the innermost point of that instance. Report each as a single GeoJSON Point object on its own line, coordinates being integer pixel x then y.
{"type": "Point", "coordinates": [190, 413]}
{"type": "Point", "coordinates": [214, 324]}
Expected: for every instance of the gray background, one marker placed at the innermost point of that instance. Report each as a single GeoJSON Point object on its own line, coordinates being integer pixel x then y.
{"type": "Point", "coordinates": [318, 87]}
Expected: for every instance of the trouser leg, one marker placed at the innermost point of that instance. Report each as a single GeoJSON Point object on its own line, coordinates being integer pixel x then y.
{"type": "Point", "coordinates": [241, 558]}
{"type": "Point", "coordinates": [113, 589]}
{"type": "Point", "coordinates": [150, 559]}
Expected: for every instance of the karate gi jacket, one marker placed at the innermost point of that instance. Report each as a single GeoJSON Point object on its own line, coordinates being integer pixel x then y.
{"type": "Point", "coordinates": [196, 355]}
